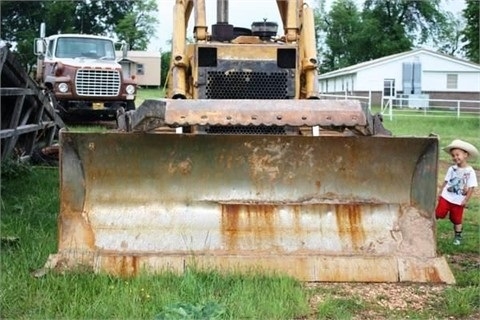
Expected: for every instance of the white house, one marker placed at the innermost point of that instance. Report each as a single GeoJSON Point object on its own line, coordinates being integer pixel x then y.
{"type": "Point", "coordinates": [419, 72]}
{"type": "Point", "coordinates": [144, 65]}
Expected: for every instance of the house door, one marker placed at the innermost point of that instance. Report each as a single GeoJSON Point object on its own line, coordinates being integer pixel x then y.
{"type": "Point", "coordinates": [389, 88]}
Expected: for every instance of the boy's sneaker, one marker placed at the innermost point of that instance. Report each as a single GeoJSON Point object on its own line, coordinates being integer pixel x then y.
{"type": "Point", "coordinates": [457, 241]}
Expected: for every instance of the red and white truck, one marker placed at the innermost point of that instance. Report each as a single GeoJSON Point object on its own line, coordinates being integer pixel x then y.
{"type": "Point", "coordinates": [82, 73]}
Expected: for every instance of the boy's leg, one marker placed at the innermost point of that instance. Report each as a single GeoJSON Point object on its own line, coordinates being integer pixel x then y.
{"type": "Point", "coordinates": [442, 208]}
{"type": "Point", "coordinates": [456, 216]}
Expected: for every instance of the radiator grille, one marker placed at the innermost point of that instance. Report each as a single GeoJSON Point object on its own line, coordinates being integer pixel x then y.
{"type": "Point", "coordinates": [276, 130]}
{"type": "Point", "coordinates": [247, 85]}
{"type": "Point", "coordinates": [101, 83]}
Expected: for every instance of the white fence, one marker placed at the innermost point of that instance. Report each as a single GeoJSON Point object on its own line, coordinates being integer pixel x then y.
{"type": "Point", "coordinates": [398, 106]}
{"type": "Point", "coordinates": [363, 99]}
{"type": "Point", "coordinates": [412, 106]}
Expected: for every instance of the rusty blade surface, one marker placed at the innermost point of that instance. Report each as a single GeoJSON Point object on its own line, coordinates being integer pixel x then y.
{"type": "Point", "coordinates": [337, 113]}
{"type": "Point", "coordinates": [270, 199]}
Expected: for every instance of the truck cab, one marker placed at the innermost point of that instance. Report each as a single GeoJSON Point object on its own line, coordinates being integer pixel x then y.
{"type": "Point", "coordinates": [82, 73]}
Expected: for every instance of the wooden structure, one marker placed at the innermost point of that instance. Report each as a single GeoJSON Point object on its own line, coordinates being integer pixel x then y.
{"type": "Point", "coordinates": [28, 118]}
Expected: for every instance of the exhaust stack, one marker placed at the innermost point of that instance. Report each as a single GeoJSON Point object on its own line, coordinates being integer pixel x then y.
{"type": "Point", "coordinates": [222, 31]}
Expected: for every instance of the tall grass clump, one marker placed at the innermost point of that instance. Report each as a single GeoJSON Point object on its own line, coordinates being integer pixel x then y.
{"type": "Point", "coordinates": [462, 302]}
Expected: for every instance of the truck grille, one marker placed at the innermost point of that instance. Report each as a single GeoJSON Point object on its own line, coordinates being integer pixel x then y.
{"type": "Point", "coordinates": [101, 83]}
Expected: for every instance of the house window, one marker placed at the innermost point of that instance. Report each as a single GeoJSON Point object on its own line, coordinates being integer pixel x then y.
{"type": "Point", "coordinates": [140, 70]}
{"type": "Point", "coordinates": [389, 87]}
{"type": "Point", "coordinates": [452, 81]}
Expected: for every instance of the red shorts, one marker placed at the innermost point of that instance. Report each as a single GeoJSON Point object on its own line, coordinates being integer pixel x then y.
{"type": "Point", "coordinates": [444, 207]}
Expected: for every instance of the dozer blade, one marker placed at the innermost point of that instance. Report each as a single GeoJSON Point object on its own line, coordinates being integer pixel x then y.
{"type": "Point", "coordinates": [325, 208]}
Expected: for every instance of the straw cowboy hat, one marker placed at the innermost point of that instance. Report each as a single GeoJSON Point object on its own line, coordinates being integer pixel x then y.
{"type": "Point", "coordinates": [465, 146]}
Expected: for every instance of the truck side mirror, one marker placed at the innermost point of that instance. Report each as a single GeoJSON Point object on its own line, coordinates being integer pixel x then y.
{"type": "Point", "coordinates": [39, 47]}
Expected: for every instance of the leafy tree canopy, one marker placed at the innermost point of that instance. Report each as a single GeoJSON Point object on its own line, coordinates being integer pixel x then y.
{"type": "Point", "coordinates": [137, 26]}
{"type": "Point", "coordinates": [382, 28]}
{"type": "Point", "coordinates": [342, 26]}
{"type": "Point", "coordinates": [471, 33]}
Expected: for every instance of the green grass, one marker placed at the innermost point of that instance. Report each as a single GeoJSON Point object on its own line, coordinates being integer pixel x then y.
{"type": "Point", "coordinates": [461, 302]}
{"type": "Point", "coordinates": [147, 93]}
{"type": "Point", "coordinates": [447, 129]}
{"type": "Point", "coordinates": [340, 308]}
{"type": "Point", "coordinates": [29, 207]}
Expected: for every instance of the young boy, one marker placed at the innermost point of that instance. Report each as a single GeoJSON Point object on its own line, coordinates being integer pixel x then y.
{"type": "Point", "coordinates": [458, 186]}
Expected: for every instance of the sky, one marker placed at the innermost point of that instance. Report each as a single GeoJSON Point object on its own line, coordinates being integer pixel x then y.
{"type": "Point", "coordinates": [241, 14]}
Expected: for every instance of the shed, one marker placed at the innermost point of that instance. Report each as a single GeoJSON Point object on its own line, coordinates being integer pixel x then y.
{"type": "Point", "coordinates": [144, 65]}
{"type": "Point", "coordinates": [416, 72]}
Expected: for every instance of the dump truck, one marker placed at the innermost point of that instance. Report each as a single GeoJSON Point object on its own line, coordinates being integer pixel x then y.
{"type": "Point", "coordinates": [243, 167]}
{"type": "Point", "coordinates": [82, 76]}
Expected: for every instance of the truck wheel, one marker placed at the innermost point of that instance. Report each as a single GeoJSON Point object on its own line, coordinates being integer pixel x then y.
{"type": "Point", "coordinates": [130, 105]}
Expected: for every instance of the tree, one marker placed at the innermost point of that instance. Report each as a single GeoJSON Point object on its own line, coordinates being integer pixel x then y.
{"type": "Point", "coordinates": [384, 30]}
{"type": "Point", "coordinates": [320, 17]}
{"type": "Point", "coordinates": [20, 21]}
{"type": "Point", "coordinates": [137, 26]}
{"type": "Point", "coordinates": [470, 34]}
{"type": "Point", "coordinates": [406, 23]}
{"type": "Point", "coordinates": [342, 26]}
{"type": "Point", "coordinates": [450, 38]}
{"type": "Point", "coordinates": [165, 65]}
{"type": "Point", "coordinates": [384, 27]}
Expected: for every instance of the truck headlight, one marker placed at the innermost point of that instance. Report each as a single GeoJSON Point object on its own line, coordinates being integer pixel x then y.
{"type": "Point", "coordinates": [63, 87]}
{"type": "Point", "coordinates": [130, 89]}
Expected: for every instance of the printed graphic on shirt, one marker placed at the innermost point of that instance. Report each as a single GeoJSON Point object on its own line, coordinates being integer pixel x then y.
{"type": "Point", "coordinates": [458, 183]}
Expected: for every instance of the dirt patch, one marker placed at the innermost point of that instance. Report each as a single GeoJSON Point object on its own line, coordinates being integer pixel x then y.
{"type": "Point", "coordinates": [463, 261]}
{"type": "Point", "coordinates": [380, 298]}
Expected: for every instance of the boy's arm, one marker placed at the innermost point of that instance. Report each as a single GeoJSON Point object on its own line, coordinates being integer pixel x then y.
{"type": "Point", "coordinates": [441, 188]}
{"type": "Point", "coordinates": [471, 184]}
{"type": "Point", "coordinates": [445, 180]}
{"type": "Point", "coordinates": [467, 196]}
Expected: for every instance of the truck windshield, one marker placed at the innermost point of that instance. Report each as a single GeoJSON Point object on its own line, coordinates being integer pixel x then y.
{"type": "Point", "coordinates": [76, 47]}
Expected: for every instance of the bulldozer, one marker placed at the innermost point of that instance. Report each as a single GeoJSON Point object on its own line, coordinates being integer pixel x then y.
{"type": "Point", "coordinates": [244, 167]}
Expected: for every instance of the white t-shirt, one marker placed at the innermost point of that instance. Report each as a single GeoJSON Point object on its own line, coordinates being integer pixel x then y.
{"type": "Point", "coordinates": [457, 180]}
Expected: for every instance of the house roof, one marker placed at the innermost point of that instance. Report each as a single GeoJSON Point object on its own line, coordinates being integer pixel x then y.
{"type": "Point", "coordinates": [126, 60]}
{"type": "Point", "coordinates": [377, 62]}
